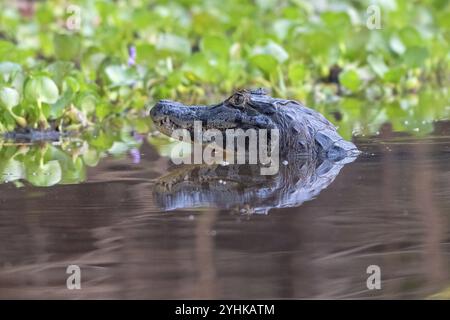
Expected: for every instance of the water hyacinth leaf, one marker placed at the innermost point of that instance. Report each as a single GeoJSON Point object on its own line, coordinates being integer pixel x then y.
{"type": "Point", "coordinates": [17, 80]}
{"type": "Point", "coordinates": [91, 61]}
{"type": "Point", "coordinates": [120, 75]}
{"type": "Point", "coordinates": [173, 44]}
{"type": "Point", "coordinates": [71, 83]}
{"type": "Point", "coordinates": [9, 69]}
{"type": "Point", "coordinates": [12, 170]}
{"type": "Point", "coordinates": [397, 45]}
{"type": "Point", "coordinates": [116, 74]}
{"type": "Point", "coordinates": [272, 49]}
{"type": "Point", "coordinates": [118, 148]}
{"type": "Point", "coordinates": [410, 37]}
{"type": "Point", "coordinates": [217, 45]}
{"type": "Point", "coordinates": [296, 72]}
{"type": "Point", "coordinates": [59, 70]}
{"type": "Point", "coordinates": [7, 50]}
{"type": "Point", "coordinates": [415, 56]}
{"type": "Point", "coordinates": [101, 141]}
{"type": "Point", "coordinates": [102, 110]}
{"type": "Point", "coordinates": [394, 75]}
{"type": "Point", "coordinates": [377, 64]}
{"type": "Point", "coordinates": [266, 4]}
{"type": "Point", "coordinates": [73, 172]}
{"type": "Point", "coordinates": [72, 169]}
{"type": "Point", "coordinates": [281, 28]}
{"type": "Point", "coordinates": [198, 67]}
{"type": "Point", "coordinates": [57, 109]}
{"type": "Point", "coordinates": [42, 89]}
{"type": "Point", "coordinates": [44, 175]}
{"type": "Point", "coordinates": [350, 79]}
{"type": "Point", "coordinates": [91, 157]}
{"type": "Point", "coordinates": [336, 21]}
{"type": "Point", "coordinates": [67, 46]}
{"type": "Point", "coordinates": [44, 14]}
{"type": "Point", "coordinates": [267, 63]}
{"type": "Point", "coordinates": [9, 97]}
{"type": "Point", "coordinates": [87, 102]}
{"type": "Point", "coordinates": [145, 53]}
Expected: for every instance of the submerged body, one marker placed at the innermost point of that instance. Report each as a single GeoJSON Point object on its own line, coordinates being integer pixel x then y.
{"type": "Point", "coordinates": [301, 130]}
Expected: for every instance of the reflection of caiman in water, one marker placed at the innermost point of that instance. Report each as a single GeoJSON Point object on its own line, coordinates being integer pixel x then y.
{"type": "Point", "coordinates": [243, 188]}
{"type": "Point", "coordinates": [311, 144]}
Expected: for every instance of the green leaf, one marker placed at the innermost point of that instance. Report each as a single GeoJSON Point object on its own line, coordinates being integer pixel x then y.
{"type": "Point", "coordinates": [59, 70]}
{"type": "Point", "coordinates": [41, 88]}
{"type": "Point", "coordinates": [58, 107]}
{"type": "Point", "coordinates": [120, 75]}
{"type": "Point", "coordinates": [12, 170]}
{"type": "Point", "coordinates": [281, 28]}
{"type": "Point", "coordinates": [377, 64]}
{"type": "Point", "coordinates": [350, 79]}
{"type": "Point", "coordinates": [218, 45]}
{"type": "Point", "coordinates": [71, 83]}
{"type": "Point", "coordinates": [87, 102]}
{"type": "Point", "coordinates": [394, 75]}
{"type": "Point", "coordinates": [415, 56]}
{"type": "Point", "coordinates": [73, 172]}
{"type": "Point", "coordinates": [265, 62]}
{"type": "Point", "coordinates": [410, 37]}
{"type": "Point", "coordinates": [67, 46]}
{"type": "Point", "coordinates": [397, 45]}
{"type": "Point", "coordinates": [272, 49]}
{"type": "Point", "coordinates": [8, 69]}
{"type": "Point", "coordinates": [118, 148]}
{"type": "Point", "coordinates": [91, 157]}
{"type": "Point", "coordinates": [102, 110]}
{"type": "Point", "coordinates": [198, 66]}
{"type": "Point", "coordinates": [9, 98]}
{"type": "Point", "coordinates": [296, 72]}
{"type": "Point", "coordinates": [173, 44]}
{"type": "Point", "coordinates": [7, 49]}
{"type": "Point", "coordinates": [44, 175]}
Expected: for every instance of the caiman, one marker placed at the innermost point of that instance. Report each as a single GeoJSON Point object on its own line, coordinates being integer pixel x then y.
{"type": "Point", "coordinates": [301, 129]}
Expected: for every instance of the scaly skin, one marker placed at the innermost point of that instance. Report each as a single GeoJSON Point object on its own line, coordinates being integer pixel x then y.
{"type": "Point", "coordinates": [302, 130]}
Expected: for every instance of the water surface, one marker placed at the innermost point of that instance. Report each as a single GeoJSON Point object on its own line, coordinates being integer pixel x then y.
{"type": "Point", "coordinates": [390, 207]}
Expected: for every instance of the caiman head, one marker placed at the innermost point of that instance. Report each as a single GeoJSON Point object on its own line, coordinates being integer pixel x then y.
{"type": "Point", "coordinates": [245, 109]}
{"type": "Point", "coordinates": [300, 129]}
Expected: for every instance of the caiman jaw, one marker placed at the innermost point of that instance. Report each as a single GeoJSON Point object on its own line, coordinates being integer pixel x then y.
{"type": "Point", "coordinates": [170, 115]}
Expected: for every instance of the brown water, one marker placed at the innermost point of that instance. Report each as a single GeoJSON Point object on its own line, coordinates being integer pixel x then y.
{"type": "Point", "coordinates": [389, 208]}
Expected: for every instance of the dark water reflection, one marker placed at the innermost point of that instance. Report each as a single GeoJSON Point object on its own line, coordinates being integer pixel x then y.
{"type": "Point", "coordinates": [389, 208]}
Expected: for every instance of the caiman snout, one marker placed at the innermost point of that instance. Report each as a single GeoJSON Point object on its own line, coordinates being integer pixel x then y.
{"type": "Point", "coordinates": [169, 115]}
{"type": "Point", "coordinates": [164, 108]}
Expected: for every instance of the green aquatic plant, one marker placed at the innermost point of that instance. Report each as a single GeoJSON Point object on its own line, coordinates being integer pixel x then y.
{"type": "Point", "coordinates": [9, 98]}
{"type": "Point", "coordinates": [72, 68]}
{"type": "Point", "coordinates": [65, 162]}
{"type": "Point", "coordinates": [39, 90]}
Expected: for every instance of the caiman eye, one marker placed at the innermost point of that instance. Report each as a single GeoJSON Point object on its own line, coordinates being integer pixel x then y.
{"type": "Point", "coordinates": [238, 100]}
